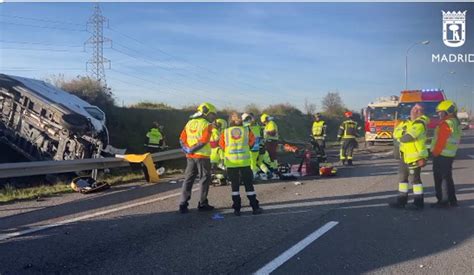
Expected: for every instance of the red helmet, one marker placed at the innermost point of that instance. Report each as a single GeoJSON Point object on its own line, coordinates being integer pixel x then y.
{"type": "Point", "coordinates": [348, 114]}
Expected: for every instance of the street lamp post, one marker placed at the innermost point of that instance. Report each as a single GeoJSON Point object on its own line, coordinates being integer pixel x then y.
{"type": "Point", "coordinates": [426, 42]}
{"type": "Point", "coordinates": [442, 77]}
{"type": "Point", "coordinates": [470, 99]}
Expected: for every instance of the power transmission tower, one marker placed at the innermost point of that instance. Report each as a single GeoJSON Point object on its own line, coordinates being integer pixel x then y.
{"type": "Point", "coordinates": [95, 65]}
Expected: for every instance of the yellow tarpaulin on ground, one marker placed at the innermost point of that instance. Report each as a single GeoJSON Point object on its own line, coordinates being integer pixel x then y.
{"type": "Point", "coordinates": [150, 171]}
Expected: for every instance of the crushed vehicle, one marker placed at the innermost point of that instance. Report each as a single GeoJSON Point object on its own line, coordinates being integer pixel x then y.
{"type": "Point", "coordinates": [42, 122]}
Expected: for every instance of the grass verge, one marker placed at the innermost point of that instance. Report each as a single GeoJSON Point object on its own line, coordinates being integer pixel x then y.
{"type": "Point", "coordinates": [10, 193]}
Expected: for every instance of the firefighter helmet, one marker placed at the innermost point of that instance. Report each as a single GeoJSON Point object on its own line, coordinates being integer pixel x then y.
{"type": "Point", "coordinates": [264, 117]}
{"type": "Point", "coordinates": [348, 114]}
{"type": "Point", "coordinates": [207, 108]}
{"type": "Point", "coordinates": [221, 123]}
{"type": "Point", "coordinates": [447, 106]}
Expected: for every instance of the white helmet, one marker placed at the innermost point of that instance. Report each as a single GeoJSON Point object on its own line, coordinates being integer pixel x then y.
{"type": "Point", "coordinates": [246, 116]}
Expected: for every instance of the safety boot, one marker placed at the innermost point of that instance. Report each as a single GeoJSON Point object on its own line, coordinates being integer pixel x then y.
{"type": "Point", "coordinates": [399, 203]}
{"type": "Point", "coordinates": [205, 206]}
{"type": "Point", "coordinates": [254, 203]}
{"type": "Point", "coordinates": [418, 203]}
{"type": "Point", "coordinates": [237, 204]}
{"type": "Point", "coordinates": [183, 208]}
{"type": "Point", "coordinates": [349, 162]}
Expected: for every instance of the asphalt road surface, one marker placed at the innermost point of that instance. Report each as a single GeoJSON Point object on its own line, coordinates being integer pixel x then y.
{"type": "Point", "coordinates": [322, 226]}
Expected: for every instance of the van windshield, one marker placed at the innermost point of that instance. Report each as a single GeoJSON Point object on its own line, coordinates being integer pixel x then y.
{"type": "Point", "coordinates": [405, 108]}
{"type": "Point", "coordinates": [382, 113]}
{"type": "Point", "coordinates": [95, 113]}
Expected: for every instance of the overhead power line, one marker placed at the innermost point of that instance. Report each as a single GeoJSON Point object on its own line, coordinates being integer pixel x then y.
{"type": "Point", "coordinates": [44, 27]}
{"type": "Point", "coordinates": [39, 43]}
{"type": "Point", "coordinates": [41, 20]}
{"type": "Point", "coordinates": [184, 93]}
{"type": "Point", "coordinates": [36, 49]}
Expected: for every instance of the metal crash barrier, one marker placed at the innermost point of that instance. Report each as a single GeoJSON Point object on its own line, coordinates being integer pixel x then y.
{"type": "Point", "coordinates": [22, 169]}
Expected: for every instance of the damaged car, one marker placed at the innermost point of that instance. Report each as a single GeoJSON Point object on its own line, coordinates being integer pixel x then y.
{"type": "Point", "coordinates": [43, 122]}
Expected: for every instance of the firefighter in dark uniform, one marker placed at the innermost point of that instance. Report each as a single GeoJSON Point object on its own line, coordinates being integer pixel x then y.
{"type": "Point", "coordinates": [347, 134]}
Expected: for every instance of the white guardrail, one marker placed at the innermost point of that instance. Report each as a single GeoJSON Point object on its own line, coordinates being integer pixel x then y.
{"type": "Point", "coordinates": [22, 169]}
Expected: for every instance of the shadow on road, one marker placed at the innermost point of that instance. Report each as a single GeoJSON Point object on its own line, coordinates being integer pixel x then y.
{"type": "Point", "coordinates": [370, 236]}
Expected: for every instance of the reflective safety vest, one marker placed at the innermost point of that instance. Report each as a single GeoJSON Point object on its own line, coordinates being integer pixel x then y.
{"type": "Point", "coordinates": [348, 129]}
{"type": "Point", "coordinates": [237, 149]}
{"type": "Point", "coordinates": [399, 131]}
{"type": "Point", "coordinates": [215, 150]}
{"type": "Point", "coordinates": [416, 149]}
{"type": "Point", "coordinates": [454, 139]}
{"type": "Point", "coordinates": [154, 136]}
{"type": "Point", "coordinates": [318, 129]}
{"type": "Point", "coordinates": [257, 132]}
{"type": "Point", "coordinates": [270, 127]}
{"type": "Point", "coordinates": [194, 129]}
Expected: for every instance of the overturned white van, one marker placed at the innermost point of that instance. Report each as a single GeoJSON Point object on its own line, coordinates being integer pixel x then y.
{"type": "Point", "coordinates": [43, 122]}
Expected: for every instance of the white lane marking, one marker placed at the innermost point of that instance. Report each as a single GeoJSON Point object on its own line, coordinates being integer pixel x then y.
{"type": "Point", "coordinates": [471, 156]}
{"type": "Point", "coordinates": [285, 256]}
{"type": "Point", "coordinates": [85, 217]}
{"type": "Point", "coordinates": [276, 214]}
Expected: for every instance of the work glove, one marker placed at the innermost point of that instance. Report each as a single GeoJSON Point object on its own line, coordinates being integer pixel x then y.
{"type": "Point", "coordinates": [184, 147]}
{"type": "Point", "coordinates": [186, 150]}
{"type": "Point", "coordinates": [196, 147]}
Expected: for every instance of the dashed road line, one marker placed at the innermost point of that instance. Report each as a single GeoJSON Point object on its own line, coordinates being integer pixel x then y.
{"type": "Point", "coordinates": [285, 256]}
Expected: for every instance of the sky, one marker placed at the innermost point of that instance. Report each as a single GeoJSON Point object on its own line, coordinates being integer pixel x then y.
{"type": "Point", "coordinates": [234, 54]}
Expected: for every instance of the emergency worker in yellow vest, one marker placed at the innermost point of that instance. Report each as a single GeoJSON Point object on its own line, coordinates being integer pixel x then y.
{"type": "Point", "coordinates": [445, 145]}
{"type": "Point", "coordinates": [271, 137]}
{"type": "Point", "coordinates": [318, 132]}
{"type": "Point", "coordinates": [194, 140]}
{"type": "Point", "coordinates": [414, 152]}
{"type": "Point", "coordinates": [155, 138]}
{"type": "Point", "coordinates": [347, 134]}
{"type": "Point", "coordinates": [250, 122]}
{"type": "Point", "coordinates": [217, 155]}
{"type": "Point", "coordinates": [236, 142]}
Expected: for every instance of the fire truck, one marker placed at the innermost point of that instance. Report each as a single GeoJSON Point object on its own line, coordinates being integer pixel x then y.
{"type": "Point", "coordinates": [429, 99]}
{"type": "Point", "coordinates": [380, 120]}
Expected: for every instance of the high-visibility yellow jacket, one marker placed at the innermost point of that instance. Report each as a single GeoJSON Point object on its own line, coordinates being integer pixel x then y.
{"type": "Point", "coordinates": [270, 132]}
{"type": "Point", "coordinates": [399, 131]}
{"type": "Point", "coordinates": [414, 141]}
{"type": "Point", "coordinates": [319, 129]}
{"type": "Point", "coordinates": [154, 136]}
{"type": "Point", "coordinates": [197, 130]}
{"type": "Point", "coordinates": [236, 142]}
{"type": "Point", "coordinates": [257, 132]}
{"type": "Point", "coordinates": [446, 138]}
